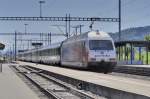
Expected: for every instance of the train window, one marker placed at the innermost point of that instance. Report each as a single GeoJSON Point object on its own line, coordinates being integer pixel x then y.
{"type": "Point", "coordinates": [47, 52]}
{"type": "Point", "coordinates": [100, 45]}
{"type": "Point", "coordinates": [50, 52]}
{"type": "Point", "coordinates": [56, 51]}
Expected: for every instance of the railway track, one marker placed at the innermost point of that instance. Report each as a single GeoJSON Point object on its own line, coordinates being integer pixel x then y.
{"type": "Point", "coordinates": [52, 87]}
{"type": "Point", "coordinates": [140, 71]}
{"type": "Point", "coordinates": [107, 86]}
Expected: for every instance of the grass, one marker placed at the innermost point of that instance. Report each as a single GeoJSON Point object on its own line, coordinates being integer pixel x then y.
{"type": "Point", "coordinates": [144, 57]}
{"type": "Point", "coordinates": [136, 57]}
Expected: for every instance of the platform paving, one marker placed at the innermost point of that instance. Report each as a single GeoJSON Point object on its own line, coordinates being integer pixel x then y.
{"type": "Point", "coordinates": [136, 86]}
{"type": "Point", "coordinates": [142, 66]}
{"type": "Point", "coordinates": [142, 70]}
{"type": "Point", "coordinates": [12, 87]}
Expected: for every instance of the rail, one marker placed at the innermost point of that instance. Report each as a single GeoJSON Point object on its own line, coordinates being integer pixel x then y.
{"type": "Point", "coordinates": [61, 90]}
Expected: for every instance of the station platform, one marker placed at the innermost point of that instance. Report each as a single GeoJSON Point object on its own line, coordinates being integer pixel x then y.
{"type": "Point", "coordinates": [131, 85]}
{"type": "Point", "coordinates": [12, 87]}
{"type": "Point", "coordinates": [142, 70]}
{"type": "Point", "coordinates": [141, 66]}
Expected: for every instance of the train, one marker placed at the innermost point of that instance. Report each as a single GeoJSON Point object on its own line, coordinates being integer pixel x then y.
{"type": "Point", "coordinates": [90, 50]}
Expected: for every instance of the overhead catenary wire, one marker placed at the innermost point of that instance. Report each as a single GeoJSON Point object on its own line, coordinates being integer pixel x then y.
{"type": "Point", "coordinates": [123, 4]}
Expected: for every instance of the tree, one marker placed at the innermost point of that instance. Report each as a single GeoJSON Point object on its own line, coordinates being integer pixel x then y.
{"type": "Point", "coordinates": [147, 37]}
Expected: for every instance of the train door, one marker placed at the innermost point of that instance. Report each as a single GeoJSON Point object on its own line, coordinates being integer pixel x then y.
{"type": "Point", "coordinates": [84, 54]}
{"type": "Point", "coordinates": [31, 57]}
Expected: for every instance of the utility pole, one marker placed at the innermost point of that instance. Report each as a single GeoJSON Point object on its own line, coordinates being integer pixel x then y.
{"type": "Point", "coordinates": [13, 50]}
{"type": "Point", "coordinates": [41, 2]}
{"type": "Point", "coordinates": [15, 46]}
{"type": "Point", "coordinates": [69, 26]}
{"type": "Point", "coordinates": [80, 26]}
{"type": "Point", "coordinates": [10, 53]}
{"type": "Point", "coordinates": [66, 26]}
{"type": "Point", "coordinates": [76, 30]}
{"type": "Point", "coordinates": [25, 28]}
{"type": "Point", "coordinates": [91, 25]}
{"type": "Point", "coordinates": [119, 20]}
{"type": "Point", "coordinates": [119, 25]}
{"type": "Point", "coordinates": [50, 38]}
{"type": "Point", "coordinates": [28, 44]}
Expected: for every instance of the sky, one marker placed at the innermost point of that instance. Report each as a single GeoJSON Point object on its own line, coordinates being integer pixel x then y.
{"type": "Point", "coordinates": [135, 13]}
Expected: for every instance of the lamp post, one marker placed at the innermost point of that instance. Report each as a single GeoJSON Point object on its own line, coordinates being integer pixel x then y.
{"type": "Point", "coordinates": [25, 28]}
{"type": "Point", "coordinates": [119, 14]}
{"type": "Point", "coordinates": [41, 2]}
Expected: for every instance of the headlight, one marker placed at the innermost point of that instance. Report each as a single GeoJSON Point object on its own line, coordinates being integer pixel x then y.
{"type": "Point", "coordinates": [112, 59]}
{"type": "Point", "coordinates": [93, 59]}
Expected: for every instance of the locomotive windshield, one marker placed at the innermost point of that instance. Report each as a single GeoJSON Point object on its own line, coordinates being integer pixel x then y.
{"type": "Point", "coordinates": [100, 45]}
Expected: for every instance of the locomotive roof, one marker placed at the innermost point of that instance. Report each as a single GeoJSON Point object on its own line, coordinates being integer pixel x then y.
{"type": "Point", "coordinates": [100, 34]}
